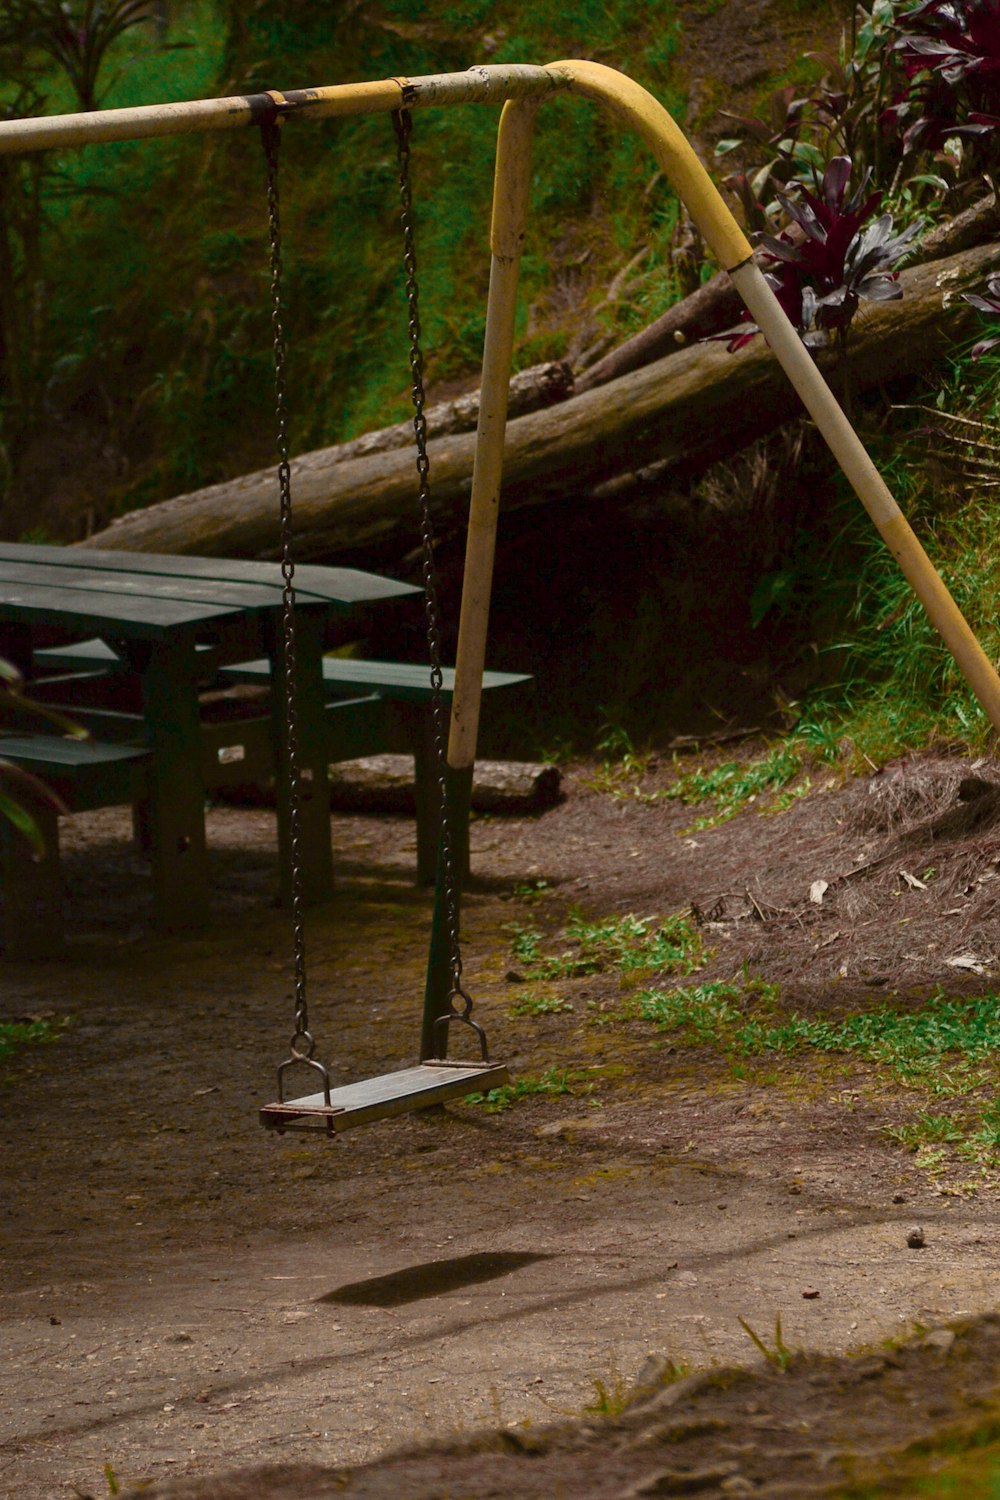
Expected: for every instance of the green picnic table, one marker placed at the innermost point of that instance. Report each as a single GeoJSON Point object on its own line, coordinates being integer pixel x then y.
{"type": "Point", "coordinates": [175, 620]}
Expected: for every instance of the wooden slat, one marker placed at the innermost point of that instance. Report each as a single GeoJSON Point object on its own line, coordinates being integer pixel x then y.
{"type": "Point", "coordinates": [390, 1094]}
{"type": "Point", "coordinates": [96, 655]}
{"type": "Point", "coordinates": [401, 681]}
{"type": "Point", "coordinates": [143, 585]}
{"type": "Point", "coordinates": [344, 586]}
{"type": "Point", "coordinates": [84, 773]}
{"type": "Point", "coordinates": [121, 615]}
{"type": "Point", "coordinates": [53, 753]}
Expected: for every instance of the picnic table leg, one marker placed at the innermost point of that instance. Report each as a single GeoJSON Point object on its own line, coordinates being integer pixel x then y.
{"type": "Point", "coordinates": [176, 787]}
{"type": "Point", "coordinates": [315, 849]}
{"type": "Point", "coordinates": [32, 889]}
{"type": "Point", "coordinates": [15, 647]}
{"type": "Point", "coordinates": [416, 722]}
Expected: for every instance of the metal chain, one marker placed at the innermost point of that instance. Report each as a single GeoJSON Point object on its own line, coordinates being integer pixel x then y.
{"type": "Point", "coordinates": [402, 122]}
{"type": "Point", "coordinates": [302, 1045]}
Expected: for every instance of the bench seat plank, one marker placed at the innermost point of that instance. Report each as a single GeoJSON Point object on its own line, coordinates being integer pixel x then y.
{"type": "Point", "coordinates": [405, 682]}
{"type": "Point", "coordinates": [84, 774]}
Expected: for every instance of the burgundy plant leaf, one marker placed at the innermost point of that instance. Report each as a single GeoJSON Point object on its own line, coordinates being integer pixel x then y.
{"type": "Point", "coordinates": [989, 304]}
{"type": "Point", "coordinates": [982, 304]}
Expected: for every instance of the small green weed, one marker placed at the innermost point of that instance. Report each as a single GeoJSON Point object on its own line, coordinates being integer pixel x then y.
{"type": "Point", "coordinates": [530, 1004]}
{"type": "Point", "coordinates": [732, 786]}
{"type": "Point", "coordinates": [924, 1130]}
{"type": "Point", "coordinates": [17, 1034]}
{"type": "Point", "coordinates": [702, 1012]}
{"type": "Point", "coordinates": [621, 766]}
{"type": "Point", "coordinates": [611, 1396]}
{"type": "Point", "coordinates": [530, 891]}
{"type": "Point", "coordinates": [777, 1354]}
{"type": "Point", "coordinates": [553, 1081]}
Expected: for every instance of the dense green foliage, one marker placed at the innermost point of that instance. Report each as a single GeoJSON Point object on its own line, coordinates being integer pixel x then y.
{"type": "Point", "coordinates": [152, 264]}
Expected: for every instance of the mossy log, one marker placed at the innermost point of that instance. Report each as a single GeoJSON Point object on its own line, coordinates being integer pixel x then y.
{"type": "Point", "coordinates": [686, 411]}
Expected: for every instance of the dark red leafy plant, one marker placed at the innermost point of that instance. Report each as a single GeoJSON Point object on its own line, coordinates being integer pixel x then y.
{"type": "Point", "coordinates": [949, 54]}
{"type": "Point", "coordinates": [837, 256]}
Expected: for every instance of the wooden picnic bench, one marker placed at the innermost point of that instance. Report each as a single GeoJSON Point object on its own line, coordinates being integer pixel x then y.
{"type": "Point", "coordinates": [126, 644]}
{"type": "Point", "coordinates": [83, 774]}
{"type": "Point", "coordinates": [371, 706]}
{"type": "Point", "coordinates": [405, 689]}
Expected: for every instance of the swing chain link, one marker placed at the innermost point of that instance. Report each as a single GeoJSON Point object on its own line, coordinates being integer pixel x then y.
{"type": "Point", "coordinates": [402, 122]}
{"type": "Point", "coordinates": [302, 1043]}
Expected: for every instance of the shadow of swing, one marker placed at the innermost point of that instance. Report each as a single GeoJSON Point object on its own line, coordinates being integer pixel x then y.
{"type": "Point", "coordinates": [432, 1279]}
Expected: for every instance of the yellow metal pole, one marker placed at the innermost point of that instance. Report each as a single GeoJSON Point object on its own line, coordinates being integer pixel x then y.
{"type": "Point", "coordinates": [636, 107]}
{"type": "Point", "coordinates": [511, 188]}
{"type": "Point", "coordinates": [871, 489]}
{"type": "Point", "coordinates": [493, 84]}
{"type": "Point", "coordinates": [633, 105]}
{"type": "Point", "coordinates": [512, 184]}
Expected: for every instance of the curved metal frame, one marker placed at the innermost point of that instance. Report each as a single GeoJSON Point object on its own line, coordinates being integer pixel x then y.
{"type": "Point", "coordinates": [521, 88]}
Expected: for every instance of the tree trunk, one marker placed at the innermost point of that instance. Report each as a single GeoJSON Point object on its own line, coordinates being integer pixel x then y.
{"type": "Point", "coordinates": [685, 412]}
{"type": "Point", "coordinates": [529, 390]}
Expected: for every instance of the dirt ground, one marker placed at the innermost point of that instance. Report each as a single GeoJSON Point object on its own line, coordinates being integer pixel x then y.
{"type": "Point", "coordinates": [184, 1294]}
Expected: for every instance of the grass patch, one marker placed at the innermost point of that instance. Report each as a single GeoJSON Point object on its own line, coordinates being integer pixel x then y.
{"type": "Point", "coordinates": [945, 1050]}
{"type": "Point", "coordinates": [552, 1082]}
{"type": "Point", "coordinates": [729, 787]}
{"type": "Point", "coordinates": [533, 1004]}
{"type": "Point", "coordinates": [966, 1466]}
{"type": "Point", "coordinates": [733, 786]}
{"type": "Point", "coordinates": [626, 945]}
{"type": "Point", "coordinates": [16, 1035]}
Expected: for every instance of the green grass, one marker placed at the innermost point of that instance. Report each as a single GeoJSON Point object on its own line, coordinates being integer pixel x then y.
{"type": "Point", "coordinates": [16, 1035]}
{"type": "Point", "coordinates": [943, 1053]}
{"type": "Point", "coordinates": [728, 788]}
{"type": "Point", "coordinates": [627, 945]}
{"type": "Point", "coordinates": [777, 1352]}
{"type": "Point", "coordinates": [551, 1083]}
{"type": "Point", "coordinates": [532, 1004]}
{"type": "Point", "coordinates": [966, 1466]}
{"type": "Point", "coordinates": [734, 785]}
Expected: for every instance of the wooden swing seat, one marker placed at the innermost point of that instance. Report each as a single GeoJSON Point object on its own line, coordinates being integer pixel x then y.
{"type": "Point", "coordinates": [433, 1082]}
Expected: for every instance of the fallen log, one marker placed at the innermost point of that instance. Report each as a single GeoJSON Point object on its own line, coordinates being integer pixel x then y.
{"type": "Point", "coordinates": [711, 309]}
{"type": "Point", "coordinates": [529, 390]}
{"type": "Point", "coordinates": [386, 784]}
{"type": "Point", "coordinates": [686, 411]}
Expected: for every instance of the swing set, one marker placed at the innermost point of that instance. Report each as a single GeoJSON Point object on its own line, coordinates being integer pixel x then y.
{"type": "Point", "coordinates": [520, 89]}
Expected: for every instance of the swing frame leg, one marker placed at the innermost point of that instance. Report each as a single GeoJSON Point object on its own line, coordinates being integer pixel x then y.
{"type": "Point", "coordinates": [439, 982]}
{"type": "Point", "coordinates": [512, 185]}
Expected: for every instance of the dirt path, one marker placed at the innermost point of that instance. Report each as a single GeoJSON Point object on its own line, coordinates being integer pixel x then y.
{"type": "Point", "coordinates": [183, 1294]}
